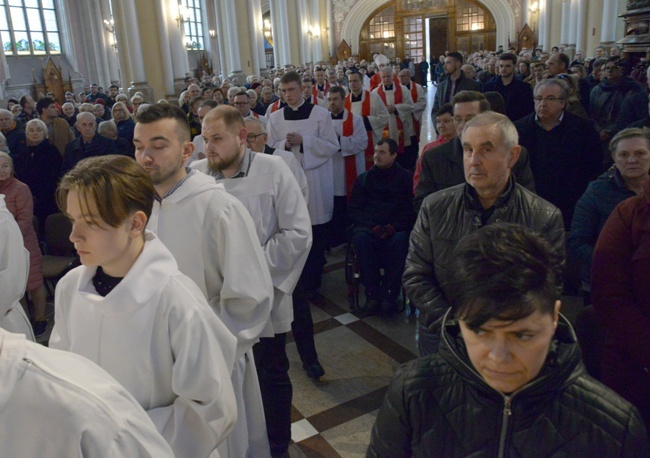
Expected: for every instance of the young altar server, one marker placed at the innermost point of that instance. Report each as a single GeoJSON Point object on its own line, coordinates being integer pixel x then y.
{"type": "Point", "coordinates": [129, 309]}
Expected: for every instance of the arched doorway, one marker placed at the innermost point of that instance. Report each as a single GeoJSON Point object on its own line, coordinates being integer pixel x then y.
{"type": "Point", "coordinates": [399, 31]}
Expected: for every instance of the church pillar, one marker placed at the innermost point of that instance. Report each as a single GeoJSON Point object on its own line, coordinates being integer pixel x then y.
{"type": "Point", "coordinates": [573, 29]}
{"type": "Point", "coordinates": [581, 26]}
{"type": "Point", "coordinates": [608, 28]}
{"type": "Point", "coordinates": [132, 50]}
{"type": "Point", "coordinates": [256, 37]}
{"type": "Point", "coordinates": [111, 56]}
{"type": "Point", "coordinates": [163, 18]}
{"type": "Point", "coordinates": [280, 25]}
{"type": "Point", "coordinates": [317, 30]}
{"type": "Point", "coordinates": [331, 48]}
{"type": "Point", "coordinates": [220, 38]}
{"type": "Point", "coordinates": [544, 24]}
{"type": "Point", "coordinates": [566, 22]}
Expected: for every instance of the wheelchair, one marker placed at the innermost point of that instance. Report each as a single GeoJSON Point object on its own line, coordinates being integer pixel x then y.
{"type": "Point", "coordinates": [353, 279]}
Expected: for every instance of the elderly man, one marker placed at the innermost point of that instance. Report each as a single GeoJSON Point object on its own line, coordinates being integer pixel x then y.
{"type": "Point", "coordinates": [517, 95]}
{"type": "Point", "coordinates": [59, 132]}
{"type": "Point", "coordinates": [347, 163]}
{"type": "Point", "coordinates": [371, 109]}
{"type": "Point", "coordinates": [489, 195]}
{"type": "Point", "coordinates": [89, 143]}
{"type": "Point", "coordinates": [489, 71]}
{"type": "Point", "coordinates": [557, 64]}
{"type": "Point", "coordinates": [213, 238]}
{"type": "Point", "coordinates": [454, 82]}
{"type": "Point", "coordinates": [267, 188]}
{"type": "Point", "coordinates": [14, 133]}
{"type": "Point", "coordinates": [108, 129]}
{"type": "Point", "coordinates": [442, 167]}
{"type": "Point", "coordinates": [382, 219]}
{"type": "Point", "coordinates": [508, 380]}
{"type": "Point", "coordinates": [242, 102]}
{"type": "Point", "coordinates": [564, 149]}
{"type": "Point", "coordinates": [399, 104]}
{"type": "Point", "coordinates": [419, 101]}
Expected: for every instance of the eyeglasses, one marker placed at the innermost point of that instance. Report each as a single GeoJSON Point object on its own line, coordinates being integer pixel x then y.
{"type": "Point", "coordinates": [611, 68]}
{"type": "Point", "coordinates": [250, 138]}
{"type": "Point", "coordinates": [548, 99]}
{"type": "Point", "coordinates": [239, 104]}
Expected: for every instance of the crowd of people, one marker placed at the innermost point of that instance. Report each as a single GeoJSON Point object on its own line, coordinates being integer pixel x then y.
{"type": "Point", "coordinates": [202, 224]}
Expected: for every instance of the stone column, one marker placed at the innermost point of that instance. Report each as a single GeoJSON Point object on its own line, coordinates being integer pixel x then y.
{"type": "Point", "coordinates": [566, 22]}
{"type": "Point", "coordinates": [165, 23]}
{"type": "Point", "coordinates": [111, 56]}
{"type": "Point", "coordinates": [573, 28]}
{"type": "Point", "coordinates": [581, 26]}
{"type": "Point", "coordinates": [280, 25]}
{"type": "Point", "coordinates": [232, 52]}
{"type": "Point", "coordinates": [542, 20]}
{"type": "Point", "coordinates": [257, 39]}
{"type": "Point", "coordinates": [317, 48]}
{"type": "Point", "coordinates": [608, 28]}
{"type": "Point", "coordinates": [133, 49]}
{"type": "Point", "coordinates": [221, 33]}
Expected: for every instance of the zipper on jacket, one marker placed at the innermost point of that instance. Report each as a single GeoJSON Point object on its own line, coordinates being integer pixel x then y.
{"type": "Point", "coordinates": [507, 413]}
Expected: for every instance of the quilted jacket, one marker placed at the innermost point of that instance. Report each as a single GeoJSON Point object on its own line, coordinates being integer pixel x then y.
{"type": "Point", "coordinates": [439, 406]}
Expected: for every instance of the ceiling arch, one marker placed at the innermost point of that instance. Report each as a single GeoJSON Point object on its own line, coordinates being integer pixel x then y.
{"type": "Point", "coordinates": [503, 15]}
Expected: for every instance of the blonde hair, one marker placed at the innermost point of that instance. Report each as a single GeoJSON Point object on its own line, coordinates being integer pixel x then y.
{"type": "Point", "coordinates": [117, 184]}
{"type": "Point", "coordinates": [41, 125]}
{"type": "Point", "coordinates": [127, 113]}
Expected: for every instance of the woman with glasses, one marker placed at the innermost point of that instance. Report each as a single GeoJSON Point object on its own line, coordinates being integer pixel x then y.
{"type": "Point", "coordinates": [123, 121]}
{"type": "Point", "coordinates": [607, 98]}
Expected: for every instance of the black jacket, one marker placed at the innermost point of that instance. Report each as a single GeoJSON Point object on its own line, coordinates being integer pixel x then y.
{"type": "Point", "coordinates": [381, 197]}
{"type": "Point", "coordinates": [76, 151]}
{"type": "Point", "coordinates": [442, 167]}
{"type": "Point", "coordinates": [517, 95]}
{"type": "Point", "coordinates": [563, 161]}
{"type": "Point", "coordinates": [448, 216]}
{"type": "Point", "coordinates": [606, 100]}
{"type": "Point", "coordinates": [463, 84]}
{"type": "Point", "coordinates": [38, 167]}
{"type": "Point", "coordinates": [439, 406]}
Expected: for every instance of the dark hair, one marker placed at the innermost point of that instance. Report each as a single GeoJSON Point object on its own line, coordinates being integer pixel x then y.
{"type": "Point", "coordinates": [446, 108]}
{"type": "Point", "coordinates": [159, 111]}
{"type": "Point", "coordinates": [457, 56]}
{"type": "Point", "coordinates": [42, 104]}
{"type": "Point", "coordinates": [337, 90]}
{"type": "Point", "coordinates": [209, 103]}
{"type": "Point", "coordinates": [564, 59]}
{"type": "Point", "coordinates": [292, 77]}
{"type": "Point", "coordinates": [243, 93]}
{"type": "Point", "coordinates": [508, 56]}
{"type": "Point", "coordinates": [113, 86]}
{"type": "Point", "coordinates": [23, 100]}
{"type": "Point", "coordinates": [472, 96]}
{"type": "Point", "coordinates": [496, 101]}
{"type": "Point", "coordinates": [503, 272]}
{"type": "Point", "coordinates": [392, 144]}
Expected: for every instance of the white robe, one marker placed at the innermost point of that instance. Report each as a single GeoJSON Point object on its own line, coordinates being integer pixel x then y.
{"type": "Point", "coordinates": [354, 145]}
{"type": "Point", "coordinates": [420, 104]}
{"type": "Point", "coordinates": [56, 403]}
{"type": "Point", "coordinates": [14, 271]}
{"type": "Point", "coordinates": [296, 169]}
{"type": "Point", "coordinates": [272, 196]}
{"type": "Point", "coordinates": [199, 150]}
{"type": "Point", "coordinates": [156, 334]}
{"type": "Point", "coordinates": [378, 117]}
{"type": "Point", "coordinates": [213, 238]}
{"type": "Point", "coordinates": [319, 144]}
{"type": "Point", "coordinates": [404, 109]}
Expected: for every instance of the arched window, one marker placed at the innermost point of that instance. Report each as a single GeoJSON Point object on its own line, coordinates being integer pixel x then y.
{"type": "Point", "coordinates": [380, 33]}
{"type": "Point", "coordinates": [193, 24]}
{"type": "Point", "coordinates": [29, 27]}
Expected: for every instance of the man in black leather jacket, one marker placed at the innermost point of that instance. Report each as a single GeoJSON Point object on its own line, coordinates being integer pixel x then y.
{"type": "Point", "coordinates": [490, 195]}
{"type": "Point", "coordinates": [508, 380]}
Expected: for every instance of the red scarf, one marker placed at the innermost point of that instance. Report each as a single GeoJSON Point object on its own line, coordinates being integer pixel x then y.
{"type": "Point", "coordinates": [365, 111]}
{"type": "Point", "coordinates": [400, 124]}
{"type": "Point", "coordinates": [314, 90]}
{"type": "Point", "coordinates": [414, 96]}
{"type": "Point", "coordinates": [275, 106]}
{"type": "Point", "coordinates": [350, 161]}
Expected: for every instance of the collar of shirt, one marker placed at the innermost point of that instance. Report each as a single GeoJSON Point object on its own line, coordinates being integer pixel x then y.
{"type": "Point", "coordinates": [298, 107]}
{"type": "Point", "coordinates": [388, 88]}
{"type": "Point", "coordinates": [356, 98]}
{"type": "Point", "coordinates": [338, 116]}
{"type": "Point", "coordinates": [189, 172]}
{"type": "Point", "coordinates": [559, 121]}
{"type": "Point", "coordinates": [242, 170]}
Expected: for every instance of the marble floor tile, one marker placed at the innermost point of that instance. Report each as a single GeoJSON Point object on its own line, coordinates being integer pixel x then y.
{"type": "Point", "coordinates": [301, 430]}
{"type": "Point", "coordinates": [351, 439]}
{"type": "Point", "coordinates": [346, 318]}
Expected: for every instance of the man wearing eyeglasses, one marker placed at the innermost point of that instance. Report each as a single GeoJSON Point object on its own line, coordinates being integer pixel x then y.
{"type": "Point", "coordinates": [564, 148]}
{"type": "Point", "coordinates": [242, 102]}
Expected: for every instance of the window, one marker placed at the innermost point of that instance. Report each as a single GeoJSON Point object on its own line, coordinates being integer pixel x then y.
{"type": "Point", "coordinates": [193, 24]}
{"type": "Point", "coordinates": [470, 17]}
{"type": "Point", "coordinates": [414, 38]}
{"type": "Point", "coordinates": [383, 24]}
{"type": "Point", "coordinates": [29, 27]}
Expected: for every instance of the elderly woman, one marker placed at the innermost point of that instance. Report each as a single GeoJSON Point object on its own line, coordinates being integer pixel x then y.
{"type": "Point", "coordinates": [19, 202]}
{"type": "Point", "coordinates": [630, 150]}
{"type": "Point", "coordinates": [70, 113]}
{"type": "Point", "coordinates": [125, 100]}
{"type": "Point", "coordinates": [39, 169]}
{"type": "Point", "coordinates": [136, 101]}
{"type": "Point", "coordinates": [123, 121]}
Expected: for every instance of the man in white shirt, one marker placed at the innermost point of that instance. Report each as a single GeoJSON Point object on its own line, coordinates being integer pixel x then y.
{"type": "Point", "coordinates": [213, 238]}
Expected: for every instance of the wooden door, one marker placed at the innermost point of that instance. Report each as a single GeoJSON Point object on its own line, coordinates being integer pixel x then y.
{"type": "Point", "coordinates": [438, 37]}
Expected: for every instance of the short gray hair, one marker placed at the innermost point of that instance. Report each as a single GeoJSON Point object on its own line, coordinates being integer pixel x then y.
{"type": "Point", "coordinates": [257, 122]}
{"type": "Point", "coordinates": [9, 158]}
{"type": "Point", "coordinates": [41, 125]}
{"type": "Point", "coordinates": [105, 127]}
{"type": "Point", "coordinates": [563, 85]}
{"type": "Point", "coordinates": [508, 130]}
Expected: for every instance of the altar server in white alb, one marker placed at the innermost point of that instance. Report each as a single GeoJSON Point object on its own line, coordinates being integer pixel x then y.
{"type": "Point", "coordinates": [371, 109]}
{"type": "Point", "coordinates": [399, 104]}
{"type": "Point", "coordinates": [308, 132]}
{"type": "Point", "coordinates": [130, 310]}
{"type": "Point", "coordinates": [268, 189]}
{"type": "Point", "coordinates": [419, 98]}
{"type": "Point", "coordinates": [348, 162]}
{"type": "Point", "coordinates": [14, 271]}
{"type": "Point", "coordinates": [213, 238]}
{"type": "Point", "coordinates": [56, 403]}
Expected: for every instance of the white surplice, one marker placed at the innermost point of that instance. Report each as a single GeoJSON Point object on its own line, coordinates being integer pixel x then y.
{"type": "Point", "coordinates": [14, 271]}
{"type": "Point", "coordinates": [353, 145]}
{"type": "Point", "coordinates": [319, 144]}
{"type": "Point", "coordinates": [404, 110]}
{"type": "Point", "coordinates": [271, 194]}
{"type": "Point", "coordinates": [296, 169]}
{"type": "Point", "coordinates": [378, 117]}
{"type": "Point", "coordinates": [156, 334]}
{"type": "Point", "coordinates": [213, 238]}
{"type": "Point", "coordinates": [420, 104]}
{"type": "Point", "coordinates": [56, 403]}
